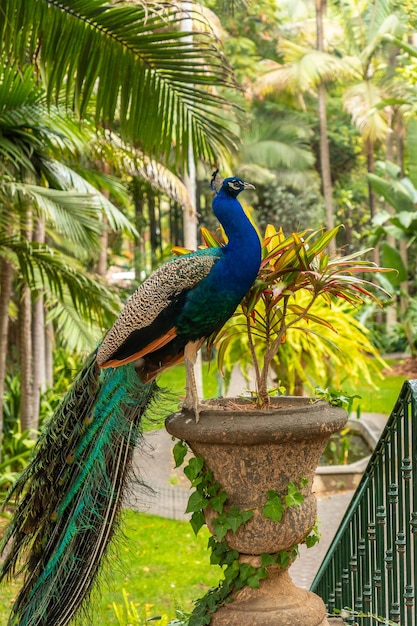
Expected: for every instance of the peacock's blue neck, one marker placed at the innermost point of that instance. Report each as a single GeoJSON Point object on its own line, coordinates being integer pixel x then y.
{"type": "Point", "coordinates": [242, 254]}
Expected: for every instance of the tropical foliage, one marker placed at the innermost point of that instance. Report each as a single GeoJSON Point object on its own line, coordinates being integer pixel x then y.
{"type": "Point", "coordinates": [356, 66]}
{"type": "Point", "coordinates": [133, 63]}
{"type": "Point", "coordinates": [297, 286]}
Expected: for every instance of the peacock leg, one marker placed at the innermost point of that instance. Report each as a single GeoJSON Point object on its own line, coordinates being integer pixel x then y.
{"type": "Point", "coordinates": [191, 401]}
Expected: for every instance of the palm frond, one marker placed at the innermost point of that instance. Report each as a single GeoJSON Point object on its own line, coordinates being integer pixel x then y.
{"type": "Point", "coordinates": [77, 185]}
{"type": "Point", "coordinates": [134, 163]}
{"type": "Point", "coordinates": [28, 125]}
{"type": "Point", "coordinates": [278, 154]}
{"type": "Point", "coordinates": [362, 102]}
{"type": "Point", "coordinates": [304, 69]}
{"type": "Point", "coordinates": [75, 214]}
{"type": "Point", "coordinates": [75, 332]}
{"type": "Point", "coordinates": [137, 62]}
{"type": "Point", "coordinates": [49, 270]}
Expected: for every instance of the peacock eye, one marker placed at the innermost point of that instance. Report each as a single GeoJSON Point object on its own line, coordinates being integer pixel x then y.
{"type": "Point", "coordinates": [234, 184]}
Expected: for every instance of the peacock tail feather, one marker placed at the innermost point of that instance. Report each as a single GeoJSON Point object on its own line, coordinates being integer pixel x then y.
{"type": "Point", "coordinates": [69, 497]}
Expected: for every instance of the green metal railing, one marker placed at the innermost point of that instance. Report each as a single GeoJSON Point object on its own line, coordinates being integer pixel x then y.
{"type": "Point", "coordinates": [370, 570]}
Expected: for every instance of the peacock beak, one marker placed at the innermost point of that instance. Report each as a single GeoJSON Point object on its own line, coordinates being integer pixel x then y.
{"type": "Point", "coordinates": [248, 186]}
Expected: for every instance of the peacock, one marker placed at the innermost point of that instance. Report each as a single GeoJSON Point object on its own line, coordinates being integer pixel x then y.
{"type": "Point", "coordinates": [69, 497]}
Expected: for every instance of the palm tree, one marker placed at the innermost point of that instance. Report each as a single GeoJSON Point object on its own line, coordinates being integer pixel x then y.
{"type": "Point", "coordinates": [133, 64]}
{"type": "Point", "coordinates": [132, 67]}
{"type": "Point", "coordinates": [29, 130]}
{"type": "Point", "coordinates": [305, 71]}
{"type": "Point", "coordinates": [369, 97]}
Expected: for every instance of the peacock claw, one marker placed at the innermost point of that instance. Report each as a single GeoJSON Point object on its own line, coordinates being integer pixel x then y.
{"type": "Point", "coordinates": [190, 405]}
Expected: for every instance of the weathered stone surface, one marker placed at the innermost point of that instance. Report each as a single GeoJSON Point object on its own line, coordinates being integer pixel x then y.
{"type": "Point", "coordinates": [277, 602]}
{"type": "Point", "coordinates": [250, 453]}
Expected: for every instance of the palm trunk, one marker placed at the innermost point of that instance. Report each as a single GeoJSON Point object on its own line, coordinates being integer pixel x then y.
{"type": "Point", "coordinates": [104, 237]}
{"type": "Point", "coordinates": [25, 339]}
{"type": "Point", "coordinates": [391, 310]}
{"type": "Point", "coordinates": [403, 247]}
{"type": "Point", "coordinates": [49, 363]}
{"type": "Point", "coordinates": [154, 227]}
{"type": "Point", "coordinates": [6, 281]}
{"type": "Point", "coordinates": [38, 339]}
{"type": "Point", "coordinates": [25, 355]}
{"type": "Point", "coordinates": [138, 193]}
{"type": "Point", "coordinates": [324, 144]}
{"type": "Point", "coordinates": [370, 162]}
{"type": "Point", "coordinates": [104, 243]}
{"type": "Point", "coordinates": [371, 168]}
{"type": "Point", "coordinates": [190, 242]}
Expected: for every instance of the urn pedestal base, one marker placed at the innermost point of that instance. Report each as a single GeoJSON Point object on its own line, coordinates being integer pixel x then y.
{"type": "Point", "coordinates": [277, 602]}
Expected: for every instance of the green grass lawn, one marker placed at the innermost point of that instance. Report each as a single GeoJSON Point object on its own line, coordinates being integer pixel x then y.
{"type": "Point", "coordinates": [378, 399]}
{"type": "Point", "coordinates": [160, 564]}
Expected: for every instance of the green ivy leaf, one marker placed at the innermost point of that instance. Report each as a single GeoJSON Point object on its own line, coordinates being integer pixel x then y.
{"type": "Point", "coordinates": [234, 519]}
{"type": "Point", "coordinates": [220, 530]}
{"type": "Point", "coordinates": [196, 502]}
{"type": "Point", "coordinates": [253, 582]}
{"type": "Point", "coordinates": [180, 452]}
{"type": "Point", "coordinates": [197, 521]}
{"type": "Point", "coordinates": [217, 502]}
{"type": "Point", "coordinates": [232, 571]}
{"type": "Point", "coordinates": [267, 559]}
{"type": "Point", "coordinates": [246, 516]}
{"type": "Point", "coordinates": [273, 509]}
{"type": "Point", "coordinates": [314, 537]}
{"type": "Point", "coordinates": [311, 540]}
{"type": "Point", "coordinates": [199, 620]}
{"type": "Point", "coordinates": [213, 489]}
{"type": "Point", "coordinates": [246, 571]}
{"type": "Point", "coordinates": [294, 497]}
{"type": "Point", "coordinates": [194, 467]}
{"type": "Point", "coordinates": [283, 559]}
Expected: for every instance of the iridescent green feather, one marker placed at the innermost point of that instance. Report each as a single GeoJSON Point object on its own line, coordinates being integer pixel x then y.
{"type": "Point", "coordinates": [69, 497]}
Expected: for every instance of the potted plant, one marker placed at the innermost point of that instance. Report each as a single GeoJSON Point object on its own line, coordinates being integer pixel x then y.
{"type": "Point", "coordinates": [255, 458]}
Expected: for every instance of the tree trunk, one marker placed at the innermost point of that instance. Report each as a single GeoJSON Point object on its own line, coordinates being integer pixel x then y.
{"type": "Point", "coordinates": [104, 237]}
{"type": "Point", "coordinates": [324, 144]}
{"type": "Point", "coordinates": [391, 309]}
{"type": "Point", "coordinates": [139, 255]}
{"type": "Point", "coordinates": [104, 243]}
{"type": "Point", "coordinates": [153, 226]}
{"type": "Point", "coordinates": [370, 163]}
{"type": "Point", "coordinates": [38, 337]}
{"type": "Point", "coordinates": [25, 339]}
{"type": "Point", "coordinates": [371, 168]}
{"type": "Point", "coordinates": [6, 281]}
{"type": "Point", "coordinates": [49, 362]}
{"type": "Point", "coordinates": [405, 286]}
{"type": "Point", "coordinates": [25, 357]}
{"type": "Point", "coordinates": [190, 215]}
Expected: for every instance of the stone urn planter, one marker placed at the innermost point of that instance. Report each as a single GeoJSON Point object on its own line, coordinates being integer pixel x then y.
{"type": "Point", "coordinates": [250, 453]}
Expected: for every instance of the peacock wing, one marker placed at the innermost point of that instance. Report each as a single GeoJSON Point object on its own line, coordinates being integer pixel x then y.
{"type": "Point", "coordinates": [148, 321]}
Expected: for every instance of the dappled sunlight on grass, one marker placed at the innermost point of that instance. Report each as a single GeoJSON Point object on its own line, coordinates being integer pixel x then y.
{"type": "Point", "coordinates": [159, 563]}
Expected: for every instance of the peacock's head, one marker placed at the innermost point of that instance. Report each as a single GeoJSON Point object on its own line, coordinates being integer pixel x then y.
{"type": "Point", "coordinates": [231, 186]}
